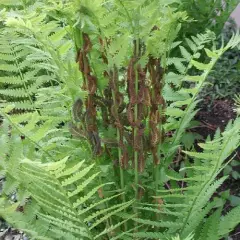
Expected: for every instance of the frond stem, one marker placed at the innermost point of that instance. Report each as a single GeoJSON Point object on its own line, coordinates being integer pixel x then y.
{"type": "Point", "coordinates": [135, 128]}
{"type": "Point", "coordinates": [115, 104]}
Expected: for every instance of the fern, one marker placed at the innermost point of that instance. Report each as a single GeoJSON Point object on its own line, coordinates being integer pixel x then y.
{"type": "Point", "coordinates": [228, 222]}
{"type": "Point", "coordinates": [35, 116]}
{"type": "Point", "coordinates": [226, 143]}
{"type": "Point", "coordinates": [87, 147]}
{"type": "Point", "coordinates": [190, 101]}
{"type": "Point", "coordinates": [211, 226]}
{"type": "Point", "coordinates": [195, 197]}
{"type": "Point", "coordinates": [50, 206]}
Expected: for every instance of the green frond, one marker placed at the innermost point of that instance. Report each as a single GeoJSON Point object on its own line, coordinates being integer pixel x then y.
{"type": "Point", "coordinates": [77, 176]}
{"type": "Point", "coordinates": [190, 102]}
{"type": "Point", "coordinates": [171, 197]}
{"type": "Point", "coordinates": [189, 237]}
{"type": "Point", "coordinates": [210, 227]}
{"type": "Point", "coordinates": [206, 194]}
{"type": "Point", "coordinates": [226, 143]}
{"type": "Point", "coordinates": [60, 173]}
{"type": "Point", "coordinates": [158, 223]}
{"type": "Point", "coordinates": [52, 205]}
{"type": "Point", "coordinates": [164, 211]}
{"type": "Point", "coordinates": [91, 193]}
{"type": "Point", "coordinates": [112, 228]}
{"type": "Point", "coordinates": [121, 207]}
{"type": "Point", "coordinates": [91, 206]}
{"type": "Point", "coordinates": [147, 235]}
{"type": "Point", "coordinates": [20, 105]}
{"type": "Point", "coordinates": [229, 221]}
{"type": "Point", "coordinates": [237, 104]}
{"type": "Point", "coordinates": [104, 212]}
{"type": "Point", "coordinates": [185, 53]}
{"type": "Point", "coordinates": [200, 66]}
{"type": "Point", "coordinates": [82, 186]}
{"type": "Point", "coordinates": [196, 220]}
{"type": "Point", "coordinates": [124, 235]}
{"type": "Point", "coordinates": [192, 45]}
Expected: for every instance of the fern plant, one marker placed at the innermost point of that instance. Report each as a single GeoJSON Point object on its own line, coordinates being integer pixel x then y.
{"type": "Point", "coordinates": [49, 196]}
{"type": "Point", "coordinates": [25, 90]}
{"type": "Point", "coordinates": [56, 200]}
{"type": "Point", "coordinates": [89, 140]}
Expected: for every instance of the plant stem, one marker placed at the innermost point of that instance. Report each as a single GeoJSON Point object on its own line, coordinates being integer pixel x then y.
{"type": "Point", "coordinates": [135, 128]}
{"type": "Point", "coordinates": [157, 173]}
{"type": "Point", "coordinates": [114, 76]}
{"type": "Point", "coordinates": [136, 179]}
{"type": "Point", "coordinates": [118, 137]}
{"type": "Point", "coordinates": [121, 169]}
{"type": "Point", "coordinates": [157, 168]}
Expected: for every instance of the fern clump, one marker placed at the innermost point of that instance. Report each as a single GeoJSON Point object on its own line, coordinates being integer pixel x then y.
{"type": "Point", "coordinates": [96, 99]}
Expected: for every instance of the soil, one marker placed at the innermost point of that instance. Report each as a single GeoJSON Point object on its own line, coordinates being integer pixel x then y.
{"type": "Point", "coordinates": [214, 115]}
{"type": "Point", "coordinates": [211, 117]}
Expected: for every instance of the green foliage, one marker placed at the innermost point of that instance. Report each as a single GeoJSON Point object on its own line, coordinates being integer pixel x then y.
{"type": "Point", "coordinates": [88, 149]}
{"type": "Point", "coordinates": [237, 104]}
{"type": "Point", "coordinates": [224, 79]}
{"type": "Point", "coordinates": [54, 196]}
{"type": "Point", "coordinates": [186, 98]}
{"type": "Point", "coordinates": [231, 169]}
{"type": "Point", "coordinates": [228, 222]}
{"type": "Point", "coordinates": [192, 203]}
{"type": "Point", "coordinates": [210, 14]}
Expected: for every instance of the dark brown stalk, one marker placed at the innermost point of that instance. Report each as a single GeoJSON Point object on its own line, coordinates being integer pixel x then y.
{"type": "Point", "coordinates": [117, 102]}
{"type": "Point", "coordinates": [157, 102]}
{"type": "Point", "coordinates": [89, 84]}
